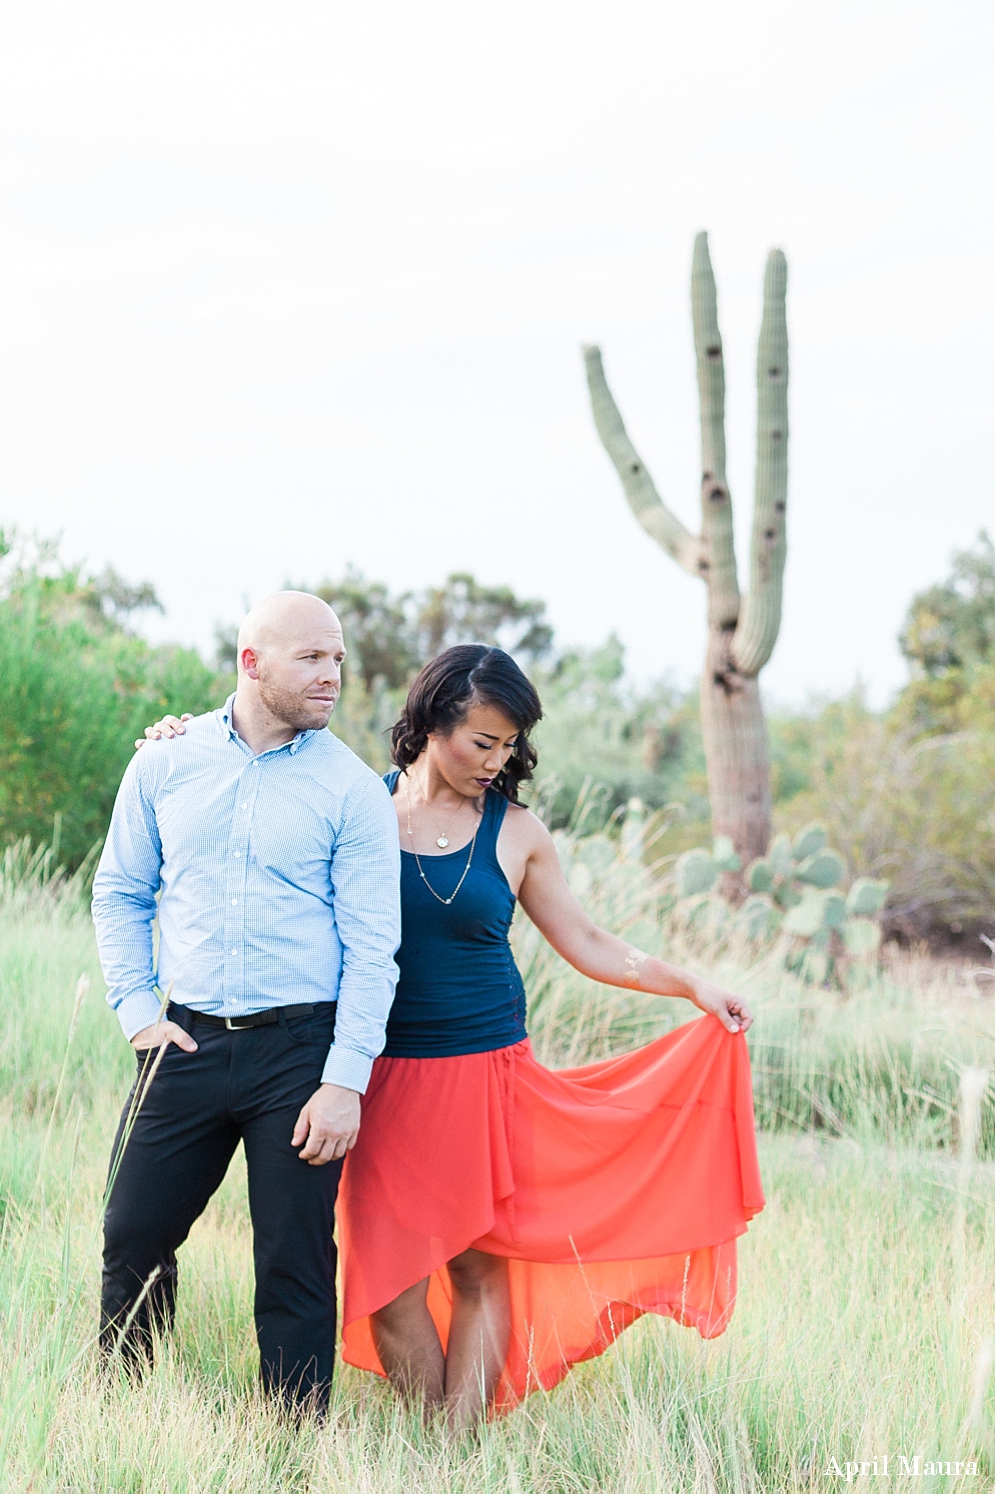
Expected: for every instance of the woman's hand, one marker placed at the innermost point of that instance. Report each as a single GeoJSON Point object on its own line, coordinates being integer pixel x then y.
{"type": "Point", "coordinates": [169, 726]}
{"type": "Point", "coordinates": [732, 1011]}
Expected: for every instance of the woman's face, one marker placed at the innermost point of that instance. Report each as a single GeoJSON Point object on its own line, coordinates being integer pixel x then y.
{"type": "Point", "coordinates": [472, 756]}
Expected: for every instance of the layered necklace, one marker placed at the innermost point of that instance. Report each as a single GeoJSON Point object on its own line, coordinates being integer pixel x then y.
{"type": "Point", "coordinates": [443, 841]}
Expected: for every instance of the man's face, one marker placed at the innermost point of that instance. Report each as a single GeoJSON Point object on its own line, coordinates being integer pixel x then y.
{"type": "Point", "coordinates": [300, 676]}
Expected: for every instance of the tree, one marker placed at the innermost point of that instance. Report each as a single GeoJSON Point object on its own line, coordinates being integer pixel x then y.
{"type": "Point", "coordinates": [389, 636]}
{"type": "Point", "coordinates": [601, 733]}
{"type": "Point", "coordinates": [949, 640]}
{"type": "Point", "coordinates": [112, 600]}
{"type": "Point", "coordinates": [916, 809]}
{"type": "Point", "coordinates": [377, 626]}
{"type": "Point", "coordinates": [742, 630]}
{"type": "Point", "coordinates": [463, 611]}
{"type": "Point", "coordinates": [952, 625]}
{"type": "Point", "coordinates": [76, 688]}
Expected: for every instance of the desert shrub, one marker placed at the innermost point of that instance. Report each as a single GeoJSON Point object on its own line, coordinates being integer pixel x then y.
{"type": "Point", "coordinates": [76, 687]}
{"type": "Point", "coordinates": [916, 810]}
{"type": "Point", "coordinates": [868, 1213]}
{"type": "Point", "coordinates": [949, 640]}
{"type": "Point", "coordinates": [631, 743]}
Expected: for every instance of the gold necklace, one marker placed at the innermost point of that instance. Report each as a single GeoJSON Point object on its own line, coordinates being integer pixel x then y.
{"type": "Point", "coordinates": [421, 870]}
{"type": "Point", "coordinates": [443, 837]}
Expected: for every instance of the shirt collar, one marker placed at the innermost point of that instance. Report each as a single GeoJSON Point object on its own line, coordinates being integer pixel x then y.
{"type": "Point", "coordinates": [226, 725]}
{"type": "Point", "coordinates": [223, 718]}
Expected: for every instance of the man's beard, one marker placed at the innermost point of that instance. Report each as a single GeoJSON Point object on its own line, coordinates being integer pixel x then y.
{"type": "Point", "coordinates": [292, 709]}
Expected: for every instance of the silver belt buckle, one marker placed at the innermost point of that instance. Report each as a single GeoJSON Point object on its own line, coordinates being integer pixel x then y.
{"type": "Point", "coordinates": [233, 1027]}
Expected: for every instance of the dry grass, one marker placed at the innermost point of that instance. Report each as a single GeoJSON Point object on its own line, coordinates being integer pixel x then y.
{"type": "Point", "coordinates": [867, 1307]}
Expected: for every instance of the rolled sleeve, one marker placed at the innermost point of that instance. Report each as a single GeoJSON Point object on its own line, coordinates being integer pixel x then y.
{"type": "Point", "coordinates": [124, 904]}
{"type": "Point", "coordinates": [365, 876]}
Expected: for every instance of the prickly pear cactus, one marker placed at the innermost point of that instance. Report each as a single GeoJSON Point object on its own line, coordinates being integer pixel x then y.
{"type": "Point", "coordinates": [796, 893]}
{"type": "Point", "coordinates": [698, 870]}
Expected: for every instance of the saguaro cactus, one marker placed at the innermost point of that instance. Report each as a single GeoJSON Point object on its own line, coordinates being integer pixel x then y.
{"type": "Point", "coordinates": [742, 630]}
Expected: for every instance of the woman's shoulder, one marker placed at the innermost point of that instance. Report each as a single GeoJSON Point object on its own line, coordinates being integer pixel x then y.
{"type": "Point", "coordinates": [522, 823]}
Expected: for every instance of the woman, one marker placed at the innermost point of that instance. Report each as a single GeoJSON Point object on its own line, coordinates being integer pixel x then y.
{"type": "Point", "coordinates": [501, 1221]}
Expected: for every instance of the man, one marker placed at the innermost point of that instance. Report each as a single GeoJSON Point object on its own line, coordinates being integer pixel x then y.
{"type": "Point", "coordinates": [275, 851]}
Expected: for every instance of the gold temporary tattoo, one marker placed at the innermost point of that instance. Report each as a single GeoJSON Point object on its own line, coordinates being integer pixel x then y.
{"type": "Point", "coordinates": [633, 965]}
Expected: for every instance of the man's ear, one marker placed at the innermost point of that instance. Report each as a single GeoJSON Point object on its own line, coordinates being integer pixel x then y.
{"type": "Point", "coordinates": [249, 662]}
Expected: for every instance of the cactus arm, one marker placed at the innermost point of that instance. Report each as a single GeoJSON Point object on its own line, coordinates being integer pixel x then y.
{"type": "Point", "coordinates": [760, 619]}
{"type": "Point", "coordinates": [640, 490]}
{"type": "Point", "coordinates": [716, 503]}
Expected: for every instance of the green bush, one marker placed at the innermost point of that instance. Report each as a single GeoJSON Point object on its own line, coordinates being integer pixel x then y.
{"type": "Point", "coordinates": [918, 810]}
{"type": "Point", "coordinates": [76, 688]}
{"type": "Point", "coordinates": [630, 743]}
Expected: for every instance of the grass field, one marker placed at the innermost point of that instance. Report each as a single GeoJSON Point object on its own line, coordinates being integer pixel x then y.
{"type": "Point", "coordinates": [865, 1324]}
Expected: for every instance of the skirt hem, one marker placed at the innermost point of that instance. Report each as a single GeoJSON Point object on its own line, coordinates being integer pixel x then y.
{"type": "Point", "coordinates": [586, 1181]}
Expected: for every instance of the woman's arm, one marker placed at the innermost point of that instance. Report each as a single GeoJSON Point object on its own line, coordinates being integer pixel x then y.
{"type": "Point", "coordinates": [561, 920]}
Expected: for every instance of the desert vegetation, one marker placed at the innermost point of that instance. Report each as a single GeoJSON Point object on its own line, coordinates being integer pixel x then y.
{"type": "Point", "coordinates": [906, 794]}
{"type": "Point", "coordinates": [864, 1324]}
{"type": "Point", "coordinates": [742, 628]}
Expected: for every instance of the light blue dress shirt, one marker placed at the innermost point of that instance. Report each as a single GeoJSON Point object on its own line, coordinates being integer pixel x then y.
{"type": "Point", "coordinates": [279, 878]}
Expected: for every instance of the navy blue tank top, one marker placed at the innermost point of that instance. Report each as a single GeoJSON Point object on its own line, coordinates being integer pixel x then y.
{"type": "Point", "coordinates": [460, 990]}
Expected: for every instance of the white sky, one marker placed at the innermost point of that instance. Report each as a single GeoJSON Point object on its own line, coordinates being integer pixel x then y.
{"type": "Point", "coordinates": [287, 285]}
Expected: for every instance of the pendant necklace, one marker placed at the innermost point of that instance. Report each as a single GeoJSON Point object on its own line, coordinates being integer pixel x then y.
{"type": "Point", "coordinates": [421, 870]}
{"type": "Point", "coordinates": [442, 840]}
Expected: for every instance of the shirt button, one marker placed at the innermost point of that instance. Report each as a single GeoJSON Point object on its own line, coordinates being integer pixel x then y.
{"type": "Point", "coordinates": [234, 901]}
{"type": "Point", "coordinates": [245, 806]}
{"type": "Point", "coordinates": [234, 951]}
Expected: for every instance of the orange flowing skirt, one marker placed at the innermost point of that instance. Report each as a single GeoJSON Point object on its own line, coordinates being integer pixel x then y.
{"type": "Point", "coordinates": [613, 1190]}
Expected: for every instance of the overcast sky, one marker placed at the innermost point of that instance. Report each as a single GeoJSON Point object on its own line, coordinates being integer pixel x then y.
{"type": "Point", "coordinates": [291, 285]}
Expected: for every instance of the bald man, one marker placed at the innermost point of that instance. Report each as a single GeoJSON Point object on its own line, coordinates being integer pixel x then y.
{"type": "Point", "coordinates": [272, 851]}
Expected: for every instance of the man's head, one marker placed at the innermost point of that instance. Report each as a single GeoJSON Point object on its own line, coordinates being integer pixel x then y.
{"type": "Point", "coordinates": [290, 654]}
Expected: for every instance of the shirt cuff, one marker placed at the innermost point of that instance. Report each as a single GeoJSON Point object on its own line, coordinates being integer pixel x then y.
{"type": "Point", "coordinates": [346, 1067]}
{"type": "Point", "coordinates": [141, 1009]}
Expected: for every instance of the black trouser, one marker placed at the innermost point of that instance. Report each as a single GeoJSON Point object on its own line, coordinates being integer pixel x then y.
{"type": "Point", "coordinates": [249, 1084]}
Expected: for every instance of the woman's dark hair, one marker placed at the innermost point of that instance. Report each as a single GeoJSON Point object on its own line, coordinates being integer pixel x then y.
{"type": "Point", "coordinates": [444, 691]}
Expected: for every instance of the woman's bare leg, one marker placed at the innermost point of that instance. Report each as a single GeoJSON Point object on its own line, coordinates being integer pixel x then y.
{"type": "Point", "coordinates": [478, 1334]}
{"type": "Point", "coordinates": [409, 1348]}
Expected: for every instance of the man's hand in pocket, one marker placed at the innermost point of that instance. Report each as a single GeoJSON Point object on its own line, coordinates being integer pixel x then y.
{"type": "Point", "coordinates": [161, 1033]}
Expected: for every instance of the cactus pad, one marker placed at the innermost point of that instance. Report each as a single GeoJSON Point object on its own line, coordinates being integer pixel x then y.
{"type": "Point", "coordinates": [824, 869]}
{"type": "Point", "coordinates": [760, 876]}
{"type": "Point", "coordinates": [780, 858]}
{"type": "Point", "coordinates": [724, 854]}
{"type": "Point", "coordinates": [696, 873]}
{"type": "Point", "coordinates": [861, 937]}
{"type": "Point", "coordinates": [867, 897]}
{"type": "Point", "coordinates": [757, 917]}
{"type": "Point", "coordinates": [806, 918]}
{"type": "Point", "coordinates": [808, 842]}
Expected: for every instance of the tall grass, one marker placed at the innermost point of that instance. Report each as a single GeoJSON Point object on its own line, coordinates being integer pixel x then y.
{"type": "Point", "coordinates": [866, 1316]}
{"type": "Point", "coordinates": [885, 1059]}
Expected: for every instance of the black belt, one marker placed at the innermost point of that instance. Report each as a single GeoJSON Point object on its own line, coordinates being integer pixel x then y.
{"type": "Point", "coordinates": [255, 1019]}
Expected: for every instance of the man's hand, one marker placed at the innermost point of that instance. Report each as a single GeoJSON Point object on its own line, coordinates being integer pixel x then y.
{"type": "Point", "coordinates": [161, 1033]}
{"type": "Point", "coordinates": [732, 1011]}
{"type": "Point", "coordinates": [328, 1125]}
